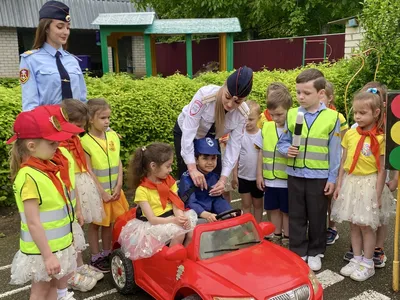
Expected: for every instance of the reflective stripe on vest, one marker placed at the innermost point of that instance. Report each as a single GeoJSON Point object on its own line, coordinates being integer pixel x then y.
{"type": "Point", "coordinates": [274, 163]}
{"type": "Point", "coordinates": [53, 213]}
{"type": "Point", "coordinates": [71, 194]}
{"type": "Point", "coordinates": [105, 163]}
{"type": "Point", "coordinates": [314, 146]}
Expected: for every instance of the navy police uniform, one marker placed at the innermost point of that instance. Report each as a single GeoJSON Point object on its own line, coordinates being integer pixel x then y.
{"type": "Point", "coordinates": [197, 120]}
{"type": "Point", "coordinates": [49, 75]}
{"type": "Point", "coordinates": [197, 199]}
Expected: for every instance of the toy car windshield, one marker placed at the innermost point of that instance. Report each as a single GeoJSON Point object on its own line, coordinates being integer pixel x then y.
{"type": "Point", "coordinates": [219, 242]}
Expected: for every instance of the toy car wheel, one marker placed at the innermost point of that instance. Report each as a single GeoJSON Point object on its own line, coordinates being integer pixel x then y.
{"type": "Point", "coordinates": [122, 273]}
{"type": "Point", "coordinates": [192, 297]}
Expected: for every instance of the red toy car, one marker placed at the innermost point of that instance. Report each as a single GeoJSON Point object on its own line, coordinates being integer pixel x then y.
{"type": "Point", "coordinates": [225, 260]}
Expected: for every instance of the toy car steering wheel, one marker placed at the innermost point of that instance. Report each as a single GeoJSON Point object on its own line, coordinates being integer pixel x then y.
{"type": "Point", "coordinates": [227, 214]}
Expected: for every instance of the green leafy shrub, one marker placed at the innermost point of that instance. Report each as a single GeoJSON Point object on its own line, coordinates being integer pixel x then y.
{"type": "Point", "coordinates": [145, 110]}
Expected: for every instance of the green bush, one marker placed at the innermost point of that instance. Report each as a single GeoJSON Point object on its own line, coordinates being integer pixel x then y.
{"type": "Point", "coordinates": [145, 110]}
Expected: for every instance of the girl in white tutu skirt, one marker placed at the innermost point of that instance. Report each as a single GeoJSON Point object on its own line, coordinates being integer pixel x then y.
{"type": "Point", "coordinates": [46, 256]}
{"type": "Point", "coordinates": [161, 218]}
{"type": "Point", "coordinates": [361, 196]}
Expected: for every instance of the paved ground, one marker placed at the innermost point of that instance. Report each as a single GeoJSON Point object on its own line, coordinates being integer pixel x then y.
{"type": "Point", "coordinates": [336, 287]}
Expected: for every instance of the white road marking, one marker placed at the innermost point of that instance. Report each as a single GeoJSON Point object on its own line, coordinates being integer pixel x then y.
{"type": "Point", "coordinates": [9, 293]}
{"type": "Point", "coordinates": [113, 291]}
{"type": "Point", "coordinates": [236, 200]}
{"type": "Point", "coordinates": [328, 278]}
{"type": "Point", "coordinates": [370, 295]}
{"type": "Point", "coordinates": [5, 267]}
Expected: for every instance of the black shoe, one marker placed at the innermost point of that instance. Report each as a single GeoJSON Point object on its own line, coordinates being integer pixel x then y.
{"type": "Point", "coordinates": [102, 264]}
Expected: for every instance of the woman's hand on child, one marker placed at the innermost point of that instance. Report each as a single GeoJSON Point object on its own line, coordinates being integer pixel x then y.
{"type": "Point", "coordinates": [52, 265]}
{"type": "Point", "coordinates": [180, 220]}
{"type": "Point", "coordinates": [292, 151]}
{"type": "Point", "coordinates": [219, 187]}
{"type": "Point", "coordinates": [234, 182]}
{"type": "Point", "coordinates": [198, 179]}
{"type": "Point", "coordinates": [260, 183]}
{"type": "Point", "coordinates": [329, 188]}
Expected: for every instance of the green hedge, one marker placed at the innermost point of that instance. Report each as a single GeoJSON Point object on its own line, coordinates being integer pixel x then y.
{"type": "Point", "coordinates": [146, 110]}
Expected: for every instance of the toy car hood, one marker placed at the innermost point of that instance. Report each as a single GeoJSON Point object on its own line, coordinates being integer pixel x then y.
{"type": "Point", "coordinates": [258, 268]}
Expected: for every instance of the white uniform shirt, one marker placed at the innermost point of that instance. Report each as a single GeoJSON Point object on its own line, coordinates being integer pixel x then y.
{"type": "Point", "coordinates": [196, 119]}
{"type": "Point", "coordinates": [247, 168]}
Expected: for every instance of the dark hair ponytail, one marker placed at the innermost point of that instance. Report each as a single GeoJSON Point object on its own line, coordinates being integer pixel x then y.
{"type": "Point", "coordinates": [139, 165]}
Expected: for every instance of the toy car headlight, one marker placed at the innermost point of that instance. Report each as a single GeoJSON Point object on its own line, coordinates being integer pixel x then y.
{"type": "Point", "coordinates": [230, 298]}
{"type": "Point", "coordinates": [314, 281]}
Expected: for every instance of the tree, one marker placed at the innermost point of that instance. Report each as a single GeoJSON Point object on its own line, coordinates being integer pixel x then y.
{"type": "Point", "coordinates": [381, 20]}
{"type": "Point", "coordinates": [261, 18]}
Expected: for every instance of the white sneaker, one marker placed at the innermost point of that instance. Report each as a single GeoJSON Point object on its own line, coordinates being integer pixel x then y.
{"type": "Point", "coordinates": [69, 296]}
{"type": "Point", "coordinates": [314, 262]}
{"type": "Point", "coordinates": [348, 269]}
{"type": "Point", "coordinates": [363, 272]}
{"type": "Point", "coordinates": [88, 271]}
{"type": "Point", "coordinates": [81, 282]}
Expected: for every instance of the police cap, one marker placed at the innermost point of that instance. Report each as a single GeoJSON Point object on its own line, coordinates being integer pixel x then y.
{"type": "Point", "coordinates": [55, 10]}
{"type": "Point", "coordinates": [240, 82]}
{"type": "Point", "coordinates": [207, 146]}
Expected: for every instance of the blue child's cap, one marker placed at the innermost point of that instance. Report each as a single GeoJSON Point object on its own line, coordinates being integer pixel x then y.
{"type": "Point", "coordinates": [206, 145]}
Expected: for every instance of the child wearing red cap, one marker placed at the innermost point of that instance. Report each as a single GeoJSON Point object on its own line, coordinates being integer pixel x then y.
{"type": "Point", "coordinates": [45, 198]}
{"type": "Point", "coordinates": [102, 150]}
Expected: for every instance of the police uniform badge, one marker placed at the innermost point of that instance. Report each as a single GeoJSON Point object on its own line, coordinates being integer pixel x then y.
{"type": "Point", "coordinates": [195, 108]}
{"type": "Point", "coordinates": [23, 75]}
{"type": "Point", "coordinates": [111, 146]}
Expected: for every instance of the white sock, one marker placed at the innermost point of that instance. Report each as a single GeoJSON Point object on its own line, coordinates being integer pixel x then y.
{"type": "Point", "coordinates": [358, 258]}
{"type": "Point", "coordinates": [368, 261]}
{"type": "Point", "coordinates": [61, 293]}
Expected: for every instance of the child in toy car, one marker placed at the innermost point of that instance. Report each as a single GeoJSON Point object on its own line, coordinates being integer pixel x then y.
{"type": "Point", "coordinates": [206, 206]}
{"type": "Point", "coordinates": [163, 218]}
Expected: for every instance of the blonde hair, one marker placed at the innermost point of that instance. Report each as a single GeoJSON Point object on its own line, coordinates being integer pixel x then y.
{"type": "Point", "coordinates": [254, 107]}
{"type": "Point", "coordinates": [18, 154]}
{"type": "Point", "coordinates": [374, 102]}
{"type": "Point", "coordinates": [275, 86]}
{"type": "Point", "coordinates": [382, 89]}
{"type": "Point", "coordinates": [76, 110]}
{"type": "Point", "coordinates": [219, 114]}
{"type": "Point", "coordinates": [278, 98]}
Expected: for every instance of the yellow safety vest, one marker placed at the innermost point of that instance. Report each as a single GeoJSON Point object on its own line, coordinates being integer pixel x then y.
{"type": "Point", "coordinates": [55, 215]}
{"type": "Point", "coordinates": [314, 147]}
{"type": "Point", "coordinates": [274, 163]}
{"type": "Point", "coordinates": [105, 163]}
{"type": "Point", "coordinates": [71, 170]}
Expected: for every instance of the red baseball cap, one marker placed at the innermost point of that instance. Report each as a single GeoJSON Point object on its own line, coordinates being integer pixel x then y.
{"type": "Point", "coordinates": [62, 116]}
{"type": "Point", "coordinates": [38, 124]}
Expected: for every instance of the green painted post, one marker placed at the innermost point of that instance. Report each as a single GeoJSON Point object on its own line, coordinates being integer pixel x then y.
{"type": "Point", "coordinates": [147, 50]}
{"type": "Point", "coordinates": [229, 51]}
{"type": "Point", "coordinates": [104, 50]}
{"type": "Point", "coordinates": [304, 53]}
{"type": "Point", "coordinates": [325, 41]}
{"type": "Point", "coordinates": [189, 60]}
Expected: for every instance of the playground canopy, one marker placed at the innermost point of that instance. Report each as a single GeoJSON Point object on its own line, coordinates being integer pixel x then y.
{"type": "Point", "coordinates": [113, 26]}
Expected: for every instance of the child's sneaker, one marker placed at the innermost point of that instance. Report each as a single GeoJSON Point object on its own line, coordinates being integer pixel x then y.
{"type": "Point", "coordinates": [331, 236]}
{"type": "Point", "coordinates": [285, 241]}
{"type": "Point", "coordinates": [69, 296]}
{"type": "Point", "coordinates": [314, 262]}
{"type": "Point", "coordinates": [81, 282]}
{"type": "Point", "coordinates": [348, 269]}
{"type": "Point", "coordinates": [274, 238]}
{"type": "Point", "coordinates": [102, 264]}
{"type": "Point", "coordinates": [379, 258]}
{"type": "Point", "coordinates": [91, 272]}
{"type": "Point", "coordinates": [363, 272]}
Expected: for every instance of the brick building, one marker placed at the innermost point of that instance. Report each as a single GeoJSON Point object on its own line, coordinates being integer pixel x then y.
{"type": "Point", "coordinates": [19, 18]}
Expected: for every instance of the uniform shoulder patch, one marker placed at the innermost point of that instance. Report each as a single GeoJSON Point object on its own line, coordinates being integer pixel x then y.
{"type": "Point", "coordinates": [196, 107]}
{"type": "Point", "coordinates": [209, 98]}
{"type": "Point", "coordinates": [24, 75]}
{"type": "Point", "coordinates": [29, 52]}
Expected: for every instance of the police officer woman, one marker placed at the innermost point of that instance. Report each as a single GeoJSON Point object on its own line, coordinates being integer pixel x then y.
{"type": "Point", "coordinates": [49, 74]}
{"type": "Point", "coordinates": [213, 112]}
